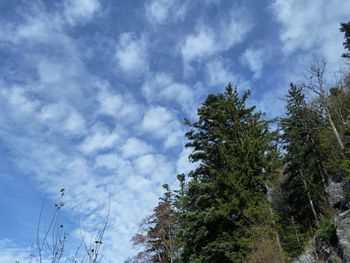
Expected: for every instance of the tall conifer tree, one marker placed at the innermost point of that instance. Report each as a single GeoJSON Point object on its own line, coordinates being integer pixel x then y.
{"type": "Point", "coordinates": [303, 188]}
{"type": "Point", "coordinates": [226, 196]}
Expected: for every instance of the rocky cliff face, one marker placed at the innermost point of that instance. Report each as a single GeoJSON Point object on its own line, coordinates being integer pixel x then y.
{"type": "Point", "coordinates": [342, 222]}
{"type": "Point", "coordinates": [338, 196]}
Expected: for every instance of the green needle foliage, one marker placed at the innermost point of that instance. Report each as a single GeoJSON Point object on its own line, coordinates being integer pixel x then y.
{"type": "Point", "coordinates": [345, 28]}
{"type": "Point", "coordinates": [302, 188]}
{"type": "Point", "coordinates": [226, 197]}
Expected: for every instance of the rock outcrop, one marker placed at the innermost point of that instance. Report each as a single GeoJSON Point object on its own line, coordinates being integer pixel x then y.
{"type": "Point", "coordinates": [338, 196]}
{"type": "Point", "coordinates": [307, 257]}
{"type": "Point", "coordinates": [342, 222]}
{"type": "Point", "coordinates": [327, 253]}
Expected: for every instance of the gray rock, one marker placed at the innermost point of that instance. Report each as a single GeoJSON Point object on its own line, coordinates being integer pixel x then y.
{"type": "Point", "coordinates": [335, 193]}
{"type": "Point", "coordinates": [307, 257]}
{"type": "Point", "coordinates": [337, 196]}
{"type": "Point", "coordinates": [327, 253]}
{"type": "Point", "coordinates": [342, 222]}
{"type": "Point", "coordinates": [339, 253]}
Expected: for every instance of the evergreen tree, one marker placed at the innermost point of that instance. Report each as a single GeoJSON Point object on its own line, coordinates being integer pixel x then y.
{"type": "Point", "coordinates": [292, 233]}
{"type": "Point", "coordinates": [339, 101]}
{"type": "Point", "coordinates": [226, 198]}
{"type": "Point", "coordinates": [345, 160]}
{"type": "Point", "coordinates": [303, 198]}
{"type": "Point", "coordinates": [345, 28]}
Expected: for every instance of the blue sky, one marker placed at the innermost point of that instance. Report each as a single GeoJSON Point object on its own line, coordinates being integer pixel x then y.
{"type": "Point", "coordinates": [93, 94]}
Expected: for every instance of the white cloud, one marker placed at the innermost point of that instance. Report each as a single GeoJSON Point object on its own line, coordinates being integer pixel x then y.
{"type": "Point", "coordinates": [110, 104]}
{"type": "Point", "coordinates": [159, 11]}
{"type": "Point", "coordinates": [134, 147]}
{"type": "Point", "coordinates": [53, 71]}
{"type": "Point", "coordinates": [253, 59]}
{"type": "Point", "coordinates": [183, 164]}
{"type": "Point", "coordinates": [36, 39]}
{"type": "Point", "coordinates": [161, 87]}
{"type": "Point", "coordinates": [198, 45]}
{"type": "Point", "coordinates": [60, 116]}
{"type": "Point", "coordinates": [34, 29]}
{"type": "Point", "coordinates": [125, 108]}
{"type": "Point", "coordinates": [234, 29]}
{"type": "Point", "coordinates": [130, 183]}
{"type": "Point", "coordinates": [100, 138]}
{"type": "Point", "coordinates": [19, 100]}
{"type": "Point", "coordinates": [139, 183]}
{"type": "Point", "coordinates": [136, 182]}
{"type": "Point", "coordinates": [80, 10]}
{"type": "Point", "coordinates": [45, 27]}
{"type": "Point", "coordinates": [163, 124]}
{"type": "Point", "coordinates": [312, 26]}
{"type": "Point", "coordinates": [131, 111]}
{"type": "Point", "coordinates": [218, 72]}
{"type": "Point", "coordinates": [74, 123]}
{"type": "Point", "coordinates": [208, 41]}
{"type": "Point", "coordinates": [156, 167]}
{"type": "Point", "coordinates": [10, 252]}
{"type": "Point", "coordinates": [108, 161]}
{"type": "Point", "coordinates": [132, 54]}
{"type": "Point", "coordinates": [39, 27]}
{"type": "Point", "coordinates": [52, 112]}
{"type": "Point", "coordinates": [63, 97]}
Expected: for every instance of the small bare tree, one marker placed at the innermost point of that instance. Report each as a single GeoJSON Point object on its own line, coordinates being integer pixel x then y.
{"type": "Point", "coordinates": [51, 240]}
{"type": "Point", "coordinates": [317, 85]}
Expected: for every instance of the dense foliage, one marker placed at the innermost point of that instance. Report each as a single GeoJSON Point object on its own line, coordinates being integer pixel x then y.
{"type": "Point", "coordinates": [226, 195]}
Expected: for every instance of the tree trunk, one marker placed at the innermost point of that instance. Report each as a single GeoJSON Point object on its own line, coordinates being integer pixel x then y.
{"type": "Point", "coordinates": [296, 232]}
{"type": "Point", "coordinates": [335, 131]}
{"type": "Point", "coordinates": [309, 196]}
